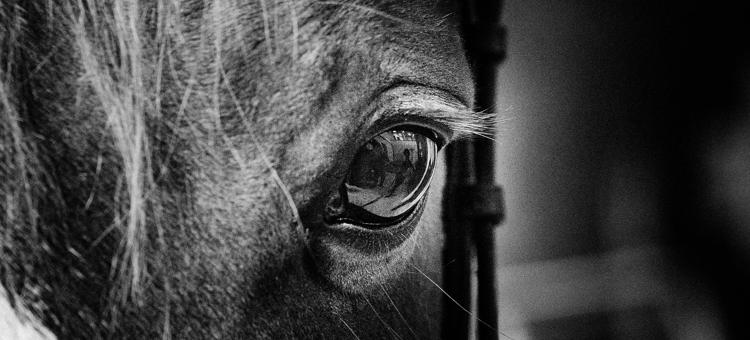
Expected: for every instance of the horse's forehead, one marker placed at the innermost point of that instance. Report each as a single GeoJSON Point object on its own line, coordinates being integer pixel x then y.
{"type": "Point", "coordinates": [301, 57]}
{"type": "Point", "coordinates": [398, 39]}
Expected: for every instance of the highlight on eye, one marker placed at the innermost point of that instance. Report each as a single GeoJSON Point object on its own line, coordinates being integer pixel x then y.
{"type": "Point", "coordinates": [388, 177]}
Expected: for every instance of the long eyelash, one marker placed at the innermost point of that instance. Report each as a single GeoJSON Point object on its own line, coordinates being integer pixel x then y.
{"type": "Point", "coordinates": [462, 124]}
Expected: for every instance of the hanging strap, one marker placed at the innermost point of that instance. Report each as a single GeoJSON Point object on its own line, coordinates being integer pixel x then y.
{"type": "Point", "coordinates": [474, 203]}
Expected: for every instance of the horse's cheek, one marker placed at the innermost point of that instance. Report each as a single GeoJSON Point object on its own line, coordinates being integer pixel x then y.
{"type": "Point", "coordinates": [229, 233]}
{"type": "Point", "coordinates": [239, 250]}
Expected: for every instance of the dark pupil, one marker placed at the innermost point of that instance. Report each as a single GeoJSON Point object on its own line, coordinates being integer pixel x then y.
{"type": "Point", "coordinates": [391, 173]}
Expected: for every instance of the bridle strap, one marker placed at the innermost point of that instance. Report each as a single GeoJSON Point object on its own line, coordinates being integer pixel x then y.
{"type": "Point", "coordinates": [473, 206]}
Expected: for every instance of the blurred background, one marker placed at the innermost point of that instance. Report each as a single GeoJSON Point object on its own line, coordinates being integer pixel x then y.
{"type": "Point", "coordinates": [624, 153]}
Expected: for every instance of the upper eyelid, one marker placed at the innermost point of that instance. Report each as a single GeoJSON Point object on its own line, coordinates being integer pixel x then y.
{"type": "Point", "coordinates": [435, 107]}
{"type": "Point", "coordinates": [405, 118]}
{"type": "Point", "coordinates": [450, 125]}
{"type": "Point", "coordinates": [459, 123]}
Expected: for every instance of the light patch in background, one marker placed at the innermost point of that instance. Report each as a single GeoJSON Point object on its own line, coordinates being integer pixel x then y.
{"type": "Point", "coordinates": [615, 283]}
{"type": "Point", "coordinates": [547, 151]}
{"type": "Point", "coordinates": [579, 247]}
{"type": "Point", "coordinates": [728, 165]}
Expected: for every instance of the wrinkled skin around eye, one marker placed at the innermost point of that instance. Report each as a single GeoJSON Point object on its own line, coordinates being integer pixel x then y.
{"type": "Point", "coordinates": [252, 108]}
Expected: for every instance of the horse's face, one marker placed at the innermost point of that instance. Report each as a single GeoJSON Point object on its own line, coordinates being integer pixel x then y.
{"type": "Point", "coordinates": [231, 237]}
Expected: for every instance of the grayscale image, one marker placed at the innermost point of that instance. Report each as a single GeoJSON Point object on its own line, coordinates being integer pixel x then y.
{"type": "Point", "coordinates": [374, 169]}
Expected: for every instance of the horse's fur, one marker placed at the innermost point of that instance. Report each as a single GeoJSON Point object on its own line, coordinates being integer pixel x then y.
{"type": "Point", "coordinates": [163, 164]}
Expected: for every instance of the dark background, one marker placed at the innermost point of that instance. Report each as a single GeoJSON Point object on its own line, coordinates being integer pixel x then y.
{"type": "Point", "coordinates": [624, 151]}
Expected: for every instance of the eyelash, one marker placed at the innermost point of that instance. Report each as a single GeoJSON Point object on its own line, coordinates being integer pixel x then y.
{"type": "Point", "coordinates": [450, 126]}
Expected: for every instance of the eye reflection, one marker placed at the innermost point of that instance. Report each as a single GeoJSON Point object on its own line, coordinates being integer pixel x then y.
{"type": "Point", "coordinates": [389, 175]}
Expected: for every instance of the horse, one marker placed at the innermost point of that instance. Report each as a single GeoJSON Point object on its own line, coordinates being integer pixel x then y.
{"type": "Point", "coordinates": [183, 168]}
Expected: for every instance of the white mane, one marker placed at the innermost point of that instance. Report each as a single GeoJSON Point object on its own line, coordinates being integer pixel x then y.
{"type": "Point", "coordinates": [19, 324]}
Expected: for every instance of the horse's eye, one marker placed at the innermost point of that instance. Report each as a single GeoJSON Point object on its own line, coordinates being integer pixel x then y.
{"type": "Point", "coordinates": [387, 178]}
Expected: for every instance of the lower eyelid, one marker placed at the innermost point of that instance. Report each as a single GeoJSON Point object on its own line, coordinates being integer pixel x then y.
{"type": "Point", "coordinates": [391, 234]}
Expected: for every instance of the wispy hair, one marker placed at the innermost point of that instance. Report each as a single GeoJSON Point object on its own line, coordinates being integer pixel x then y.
{"type": "Point", "coordinates": [122, 50]}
